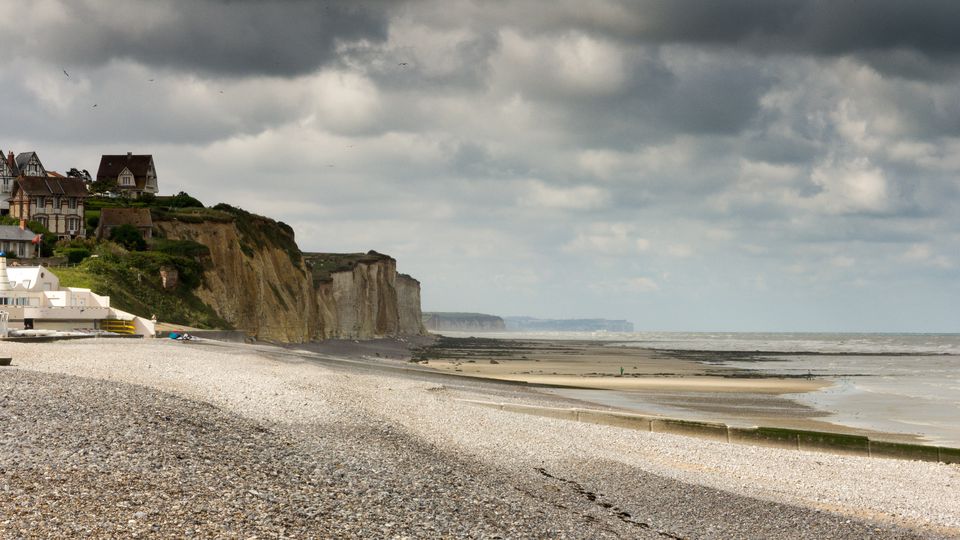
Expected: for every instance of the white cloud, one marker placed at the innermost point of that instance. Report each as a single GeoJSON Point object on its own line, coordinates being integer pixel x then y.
{"type": "Point", "coordinates": [614, 239]}
{"type": "Point", "coordinates": [344, 102]}
{"type": "Point", "coordinates": [848, 187]}
{"type": "Point", "coordinates": [843, 261]}
{"type": "Point", "coordinates": [573, 64]}
{"type": "Point", "coordinates": [641, 284]}
{"type": "Point", "coordinates": [925, 254]}
{"type": "Point", "coordinates": [540, 194]}
{"type": "Point", "coordinates": [636, 284]}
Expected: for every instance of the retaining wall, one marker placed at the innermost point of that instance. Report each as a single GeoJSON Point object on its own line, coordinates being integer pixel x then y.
{"type": "Point", "coordinates": [793, 439]}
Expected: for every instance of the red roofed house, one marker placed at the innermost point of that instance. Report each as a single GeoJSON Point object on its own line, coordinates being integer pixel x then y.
{"type": "Point", "coordinates": [133, 174]}
{"type": "Point", "coordinates": [57, 203]}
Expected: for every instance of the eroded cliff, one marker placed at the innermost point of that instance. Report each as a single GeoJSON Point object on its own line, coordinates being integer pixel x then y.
{"type": "Point", "coordinates": [257, 280]}
{"type": "Point", "coordinates": [361, 295]}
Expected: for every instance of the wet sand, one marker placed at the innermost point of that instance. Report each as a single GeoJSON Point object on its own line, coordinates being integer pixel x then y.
{"type": "Point", "coordinates": [667, 383]}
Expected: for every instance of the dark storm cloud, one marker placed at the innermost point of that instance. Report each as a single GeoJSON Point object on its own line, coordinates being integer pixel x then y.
{"type": "Point", "coordinates": [239, 37]}
{"type": "Point", "coordinates": [814, 26]}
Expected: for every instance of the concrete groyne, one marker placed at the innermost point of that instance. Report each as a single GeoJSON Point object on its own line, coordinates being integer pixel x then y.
{"type": "Point", "coordinates": [792, 439]}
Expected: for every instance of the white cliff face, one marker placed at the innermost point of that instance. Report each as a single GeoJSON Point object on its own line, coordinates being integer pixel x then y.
{"type": "Point", "coordinates": [371, 300]}
{"type": "Point", "coordinates": [271, 297]}
{"type": "Point", "coordinates": [408, 305]}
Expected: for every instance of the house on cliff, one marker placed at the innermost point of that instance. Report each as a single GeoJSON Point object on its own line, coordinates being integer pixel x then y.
{"type": "Point", "coordinates": [25, 163]}
{"type": "Point", "coordinates": [8, 175]}
{"type": "Point", "coordinates": [57, 203]}
{"type": "Point", "coordinates": [133, 175]}
{"type": "Point", "coordinates": [115, 217]}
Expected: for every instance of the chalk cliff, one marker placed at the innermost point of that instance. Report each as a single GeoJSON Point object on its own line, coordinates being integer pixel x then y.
{"type": "Point", "coordinates": [256, 279]}
{"type": "Point", "coordinates": [462, 322]}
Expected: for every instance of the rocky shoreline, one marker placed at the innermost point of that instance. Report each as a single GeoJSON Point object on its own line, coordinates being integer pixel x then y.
{"type": "Point", "coordinates": [165, 439]}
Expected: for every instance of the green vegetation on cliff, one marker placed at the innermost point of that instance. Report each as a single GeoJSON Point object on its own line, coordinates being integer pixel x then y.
{"type": "Point", "coordinates": [259, 231]}
{"type": "Point", "coordinates": [133, 283]}
{"type": "Point", "coordinates": [324, 265]}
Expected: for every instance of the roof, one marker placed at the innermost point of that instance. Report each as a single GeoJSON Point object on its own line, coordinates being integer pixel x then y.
{"type": "Point", "coordinates": [111, 166]}
{"type": "Point", "coordinates": [138, 217]}
{"type": "Point", "coordinates": [6, 165]}
{"type": "Point", "coordinates": [45, 185]}
{"type": "Point", "coordinates": [12, 232]}
{"type": "Point", "coordinates": [23, 158]}
{"type": "Point", "coordinates": [35, 275]}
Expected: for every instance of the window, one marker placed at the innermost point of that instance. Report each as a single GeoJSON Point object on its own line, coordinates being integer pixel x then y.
{"type": "Point", "coordinates": [4, 301]}
{"type": "Point", "coordinates": [56, 203]}
{"type": "Point", "coordinates": [41, 202]}
{"type": "Point", "coordinates": [73, 203]}
{"type": "Point", "coordinates": [43, 221]}
{"type": "Point", "coordinates": [73, 224]}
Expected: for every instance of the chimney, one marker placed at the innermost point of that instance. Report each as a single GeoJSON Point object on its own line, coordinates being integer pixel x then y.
{"type": "Point", "coordinates": [23, 224]}
{"type": "Point", "coordinates": [129, 154]}
{"type": "Point", "coordinates": [10, 159]}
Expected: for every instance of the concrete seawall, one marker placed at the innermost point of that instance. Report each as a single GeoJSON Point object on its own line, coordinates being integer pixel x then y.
{"type": "Point", "coordinates": [792, 439]}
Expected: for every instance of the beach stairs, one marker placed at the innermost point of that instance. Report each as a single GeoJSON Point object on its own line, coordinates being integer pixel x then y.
{"type": "Point", "coordinates": [118, 326]}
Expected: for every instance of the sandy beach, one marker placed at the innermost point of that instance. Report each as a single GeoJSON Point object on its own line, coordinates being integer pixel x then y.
{"type": "Point", "coordinates": [157, 438]}
{"type": "Point", "coordinates": [653, 382]}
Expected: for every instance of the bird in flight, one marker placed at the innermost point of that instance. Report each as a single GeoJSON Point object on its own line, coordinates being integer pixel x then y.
{"type": "Point", "coordinates": [402, 64]}
{"type": "Point", "coordinates": [65, 73]}
{"type": "Point", "coordinates": [94, 106]}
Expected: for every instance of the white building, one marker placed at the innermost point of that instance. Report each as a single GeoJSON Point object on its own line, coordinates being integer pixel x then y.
{"type": "Point", "coordinates": [33, 299]}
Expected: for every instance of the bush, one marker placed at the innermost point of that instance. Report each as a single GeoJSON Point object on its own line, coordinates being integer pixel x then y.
{"type": "Point", "coordinates": [180, 248]}
{"type": "Point", "coordinates": [129, 237]}
{"type": "Point", "coordinates": [75, 255]}
{"type": "Point", "coordinates": [183, 200]}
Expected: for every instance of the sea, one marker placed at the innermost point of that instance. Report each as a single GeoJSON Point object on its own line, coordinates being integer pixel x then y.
{"type": "Point", "coordinates": [895, 383]}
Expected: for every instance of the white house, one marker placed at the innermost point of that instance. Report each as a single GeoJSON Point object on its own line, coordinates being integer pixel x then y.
{"type": "Point", "coordinates": [33, 300]}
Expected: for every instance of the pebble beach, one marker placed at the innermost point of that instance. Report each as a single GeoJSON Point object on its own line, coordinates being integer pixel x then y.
{"type": "Point", "coordinates": [164, 439]}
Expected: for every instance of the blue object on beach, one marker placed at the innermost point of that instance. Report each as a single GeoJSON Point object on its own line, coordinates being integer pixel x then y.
{"type": "Point", "coordinates": [173, 335]}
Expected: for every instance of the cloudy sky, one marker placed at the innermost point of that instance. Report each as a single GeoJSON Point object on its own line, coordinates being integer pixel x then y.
{"type": "Point", "coordinates": [686, 165]}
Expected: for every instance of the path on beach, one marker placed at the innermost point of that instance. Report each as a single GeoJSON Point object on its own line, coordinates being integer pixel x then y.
{"type": "Point", "coordinates": [111, 438]}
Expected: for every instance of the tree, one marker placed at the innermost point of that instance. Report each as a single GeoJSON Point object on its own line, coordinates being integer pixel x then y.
{"type": "Point", "coordinates": [129, 237]}
{"type": "Point", "coordinates": [184, 200]}
{"type": "Point", "coordinates": [83, 175]}
{"type": "Point", "coordinates": [103, 186]}
{"type": "Point", "coordinates": [47, 239]}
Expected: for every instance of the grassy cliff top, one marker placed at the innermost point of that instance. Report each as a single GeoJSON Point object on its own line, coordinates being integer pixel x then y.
{"type": "Point", "coordinates": [324, 265]}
